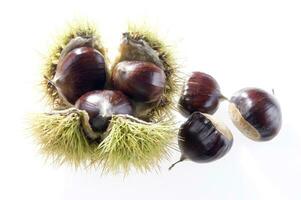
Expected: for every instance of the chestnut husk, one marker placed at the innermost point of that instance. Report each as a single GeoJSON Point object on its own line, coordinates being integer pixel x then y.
{"type": "Point", "coordinates": [256, 113]}
{"type": "Point", "coordinates": [61, 136]}
{"type": "Point", "coordinates": [141, 43]}
{"type": "Point", "coordinates": [200, 92]}
{"type": "Point", "coordinates": [65, 136]}
{"type": "Point", "coordinates": [77, 34]}
{"type": "Point", "coordinates": [202, 138]}
{"type": "Point", "coordinates": [134, 144]}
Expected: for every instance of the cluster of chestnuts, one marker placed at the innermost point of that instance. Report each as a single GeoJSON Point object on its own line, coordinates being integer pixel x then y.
{"type": "Point", "coordinates": [108, 112]}
{"type": "Point", "coordinates": [114, 113]}
{"type": "Point", "coordinates": [202, 138]}
{"type": "Point", "coordinates": [81, 76]}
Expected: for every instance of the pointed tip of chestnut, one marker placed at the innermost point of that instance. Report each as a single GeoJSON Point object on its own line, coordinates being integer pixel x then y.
{"type": "Point", "coordinates": [256, 114]}
{"type": "Point", "coordinates": [203, 139]}
{"type": "Point", "coordinates": [201, 92]}
{"type": "Point", "coordinates": [141, 81]}
{"type": "Point", "coordinates": [81, 70]}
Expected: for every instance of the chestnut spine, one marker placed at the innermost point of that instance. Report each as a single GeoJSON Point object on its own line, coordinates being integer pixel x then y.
{"type": "Point", "coordinates": [60, 136]}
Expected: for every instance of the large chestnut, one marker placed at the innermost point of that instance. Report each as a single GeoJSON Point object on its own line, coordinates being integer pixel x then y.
{"type": "Point", "coordinates": [201, 92]}
{"type": "Point", "coordinates": [203, 138]}
{"type": "Point", "coordinates": [101, 105]}
{"type": "Point", "coordinates": [81, 70]}
{"type": "Point", "coordinates": [256, 114]}
{"type": "Point", "coordinates": [141, 81]}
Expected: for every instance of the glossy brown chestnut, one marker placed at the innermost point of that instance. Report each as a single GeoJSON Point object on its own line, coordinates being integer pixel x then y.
{"type": "Point", "coordinates": [81, 70]}
{"type": "Point", "coordinates": [203, 139]}
{"type": "Point", "coordinates": [256, 114]}
{"type": "Point", "coordinates": [201, 93]}
{"type": "Point", "coordinates": [101, 105]}
{"type": "Point", "coordinates": [141, 81]}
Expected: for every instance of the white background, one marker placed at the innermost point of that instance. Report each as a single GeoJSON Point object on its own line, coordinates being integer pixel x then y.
{"type": "Point", "coordinates": [240, 43]}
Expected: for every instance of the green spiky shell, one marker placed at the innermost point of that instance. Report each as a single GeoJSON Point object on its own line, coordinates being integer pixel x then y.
{"type": "Point", "coordinates": [129, 142]}
{"type": "Point", "coordinates": [134, 144]}
{"type": "Point", "coordinates": [60, 136]}
{"type": "Point", "coordinates": [75, 29]}
{"type": "Point", "coordinates": [170, 67]}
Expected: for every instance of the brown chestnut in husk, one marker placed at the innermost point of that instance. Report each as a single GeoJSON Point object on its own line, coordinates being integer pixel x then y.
{"type": "Point", "coordinates": [256, 114]}
{"type": "Point", "coordinates": [81, 70]}
{"type": "Point", "coordinates": [101, 105]}
{"type": "Point", "coordinates": [201, 93]}
{"type": "Point", "coordinates": [203, 139]}
{"type": "Point", "coordinates": [141, 81]}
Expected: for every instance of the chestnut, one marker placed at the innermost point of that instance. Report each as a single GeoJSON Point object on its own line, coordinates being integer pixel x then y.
{"type": "Point", "coordinates": [81, 70]}
{"type": "Point", "coordinates": [141, 81]}
{"type": "Point", "coordinates": [101, 105]}
{"type": "Point", "coordinates": [201, 92]}
{"type": "Point", "coordinates": [203, 139]}
{"type": "Point", "coordinates": [255, 113]}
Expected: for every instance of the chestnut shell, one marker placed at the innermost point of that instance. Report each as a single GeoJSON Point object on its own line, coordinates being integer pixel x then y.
{"type": "Point", "coordinates": [201, 93]}
{"type": "Point", "coordinates": [201, 141]}
{"type": "Point", "coordinates": [101, 105]}
{"type": "Point", "coordinates": [141, 81]}
{"type": "Point", "coordinates": [82, 70]}
{"type": "Point", "coordinates": [260, 110]}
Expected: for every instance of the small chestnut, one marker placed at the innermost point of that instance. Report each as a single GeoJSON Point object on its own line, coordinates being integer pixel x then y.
{"type": "Point", "coordinates": [256, 114]}
{"type": "Point", "coordinates": [201, 93]}
{"type": "Point", "coordinates": [101, 105]}
{"type": "Point", "coordinates": [203, 139]}
{"type": "Point", "coordinates": [81, 70]}
{"type": "Point", "coordinates": [141, 81]}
